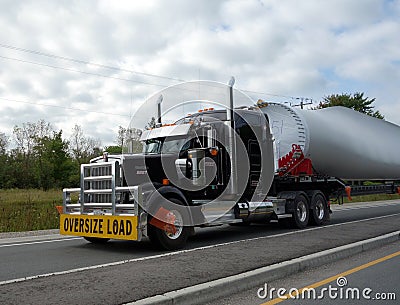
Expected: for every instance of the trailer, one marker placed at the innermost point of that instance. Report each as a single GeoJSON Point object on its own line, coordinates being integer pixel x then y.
{"type": "Point", "coordinates": [252, 162]}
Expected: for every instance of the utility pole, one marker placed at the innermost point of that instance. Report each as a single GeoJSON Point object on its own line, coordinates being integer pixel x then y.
{"type": "Point", "coordinates": [303, 101]}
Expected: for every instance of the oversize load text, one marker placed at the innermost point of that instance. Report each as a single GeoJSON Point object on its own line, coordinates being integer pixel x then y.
{"type": "Point", "coordinates": [114, 227]}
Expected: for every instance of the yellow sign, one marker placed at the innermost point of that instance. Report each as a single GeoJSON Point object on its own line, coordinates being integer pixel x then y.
{"type": "Point", "coordinates": [102, 226]}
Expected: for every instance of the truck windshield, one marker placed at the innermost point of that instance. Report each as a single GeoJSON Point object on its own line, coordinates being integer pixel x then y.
{"type": "Point", "coordinates": [169, 145]}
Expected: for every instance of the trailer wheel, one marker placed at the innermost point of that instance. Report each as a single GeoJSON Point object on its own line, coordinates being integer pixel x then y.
{"type": "Point", "coordinates": [301, 213]}
{"type": "Point", "coordinates": [319, 210]}
{"type": "Point", "coordinates": [97, 240]}
{"type": "Point", "coordinates": [167, 240]}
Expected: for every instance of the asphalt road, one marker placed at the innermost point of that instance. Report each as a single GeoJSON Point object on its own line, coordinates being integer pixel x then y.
{"type": "Point", "coordinates": [143, 266]}
{"type": "Point", "coordinates": [357, 280]}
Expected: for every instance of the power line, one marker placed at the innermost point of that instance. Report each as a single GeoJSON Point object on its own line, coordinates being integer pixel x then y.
{"type": "Point", "coordinates": [106, 67]}
{"type": "Point", "coordinates": [62, 107]}
{"type": "Point", "coordinates": [114, 68]}
{"type": "Point", "coordinates": [79, 71]}
{"type": "Point", "coordinates": [85, 62]}
{"type": "Point", "coordinates": [270, 94]}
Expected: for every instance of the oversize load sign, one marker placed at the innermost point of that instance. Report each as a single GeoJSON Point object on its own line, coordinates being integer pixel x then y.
{"type": "Point", "coordinates": [103, 226]}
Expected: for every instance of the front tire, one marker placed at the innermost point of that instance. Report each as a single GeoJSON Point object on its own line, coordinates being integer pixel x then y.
{"type": "Point", "coordinates": [168, 240]}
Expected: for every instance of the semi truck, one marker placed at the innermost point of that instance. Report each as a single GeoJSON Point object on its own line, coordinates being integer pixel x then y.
{"type": "Point", "coordinates": [235, 161]}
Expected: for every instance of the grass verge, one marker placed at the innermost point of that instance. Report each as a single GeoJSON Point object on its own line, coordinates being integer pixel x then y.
{"type": "Point", "coordinates": [373, 197]}
{"type": "Point", "coordinates": [27, 210]}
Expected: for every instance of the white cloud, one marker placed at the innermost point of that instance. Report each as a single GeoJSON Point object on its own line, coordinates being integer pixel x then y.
{"type": "Point", "coordinates": [292, 48]}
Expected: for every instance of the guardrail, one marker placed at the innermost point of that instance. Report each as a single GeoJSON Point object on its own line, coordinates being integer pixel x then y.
{"type": "Point", "coordinates": [374, 189]}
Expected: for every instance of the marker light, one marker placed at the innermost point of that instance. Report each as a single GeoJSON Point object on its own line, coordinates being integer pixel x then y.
{"type": "Point", "coordinates": [213, 151]}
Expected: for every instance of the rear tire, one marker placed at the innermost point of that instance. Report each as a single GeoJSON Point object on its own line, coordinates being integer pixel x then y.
{"type": "Point", "coordinates": [301, 213]}
{"type": "Point", "coordinates": [319, 212]}
{"type": "Point", "coordinates": [169, 241]}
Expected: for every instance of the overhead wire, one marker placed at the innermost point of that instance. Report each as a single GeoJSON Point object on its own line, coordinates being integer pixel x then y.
{"type": "Point", "coordinates": [101, 75]}
{"type": "Point", "coordinates": [84, 72]}
{"type": "Point", "coordinates": [2, 45]}
{"type": "Point", "coordinates": [86, 62]}
{"type": "Point", "coordinates": [62, 107]}
{"type": "Point", "coordinates": [269, 94]}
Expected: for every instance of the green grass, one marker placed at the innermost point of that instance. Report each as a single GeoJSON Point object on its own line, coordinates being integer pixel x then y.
{"type": "Point", "coordinates": [27, 210]}
{"type": "Point", "coordinates": [374, 197]}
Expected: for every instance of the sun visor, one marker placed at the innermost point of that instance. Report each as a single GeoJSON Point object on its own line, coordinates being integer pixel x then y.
{"type": "Point", "coordinates": [166, 131]}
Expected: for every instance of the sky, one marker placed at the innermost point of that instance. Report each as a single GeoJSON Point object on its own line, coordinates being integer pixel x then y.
{"type": "Point", "coordinates": [94, 63]}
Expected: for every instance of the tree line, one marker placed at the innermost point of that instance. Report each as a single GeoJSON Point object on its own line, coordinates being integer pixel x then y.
{"type": "Point", "coordinates": [37, 156]}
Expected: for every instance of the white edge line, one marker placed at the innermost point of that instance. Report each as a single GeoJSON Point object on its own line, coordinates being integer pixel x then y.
{"type": "Point", "coordinates": [179, 252]}
{"type": "Point", "coordinates": [39, 242]}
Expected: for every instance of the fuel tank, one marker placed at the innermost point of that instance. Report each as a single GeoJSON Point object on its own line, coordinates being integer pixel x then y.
{"type": "Point", "coordinates": [339, 141]}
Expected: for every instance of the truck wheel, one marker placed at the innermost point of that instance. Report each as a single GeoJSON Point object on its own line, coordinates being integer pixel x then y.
{"type": "Point", "coordinates": [167, 240]}
{"type": "Point", "coordinates": [319, 211]}
{"type": "Point", "coordinates": [97, 240]}
{"type": "Point", "coordinates": [301, 212]}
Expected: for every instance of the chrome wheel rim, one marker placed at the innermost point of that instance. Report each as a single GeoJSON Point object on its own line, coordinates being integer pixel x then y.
{"type": "Point", "coordinates": [178, 223]}
{"type": "Point", "coordinates": [319, 210]}
{"type": "Point", "coordinates": [301, 211]}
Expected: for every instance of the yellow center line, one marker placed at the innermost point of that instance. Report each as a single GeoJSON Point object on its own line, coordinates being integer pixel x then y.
{"type": "Point", "coordinates": [330, 279]}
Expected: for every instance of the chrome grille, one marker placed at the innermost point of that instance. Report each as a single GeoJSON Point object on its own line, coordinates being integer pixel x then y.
{"type": "Point", "coordinates": [98, 182]}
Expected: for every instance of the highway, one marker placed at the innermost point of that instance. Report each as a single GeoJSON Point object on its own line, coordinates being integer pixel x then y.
{"type": "Point", "coordinates": [370, 277]}
{"type": "Point", "coordinates": [120, 271]}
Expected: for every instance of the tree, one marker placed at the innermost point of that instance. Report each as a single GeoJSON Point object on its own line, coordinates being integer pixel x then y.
{"type": "Point", "coordinates": [113, 149]}
{"type": "Point", "coordinates": [357, 102]}
{"type": "Point", "coordinates": [53, 166]}
{"type": "Point", "coordinates": [4, 173]}
{"type": "Point", "coordinates": [3, 143]}
{"type": "Point", "coordinates": [40, 159]}
{"type": "Point", "coordinates": [83, 148]}
{"type": "Point", "coordinates": [28, 135]}
{"type": "Point", "coordinates": [22, 159]}
{"type": "Point", "coordinates": [128, 140]}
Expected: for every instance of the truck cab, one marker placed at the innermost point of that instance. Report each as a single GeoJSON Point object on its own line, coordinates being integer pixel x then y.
{"type": "Point", "coordinates": [213, 167]}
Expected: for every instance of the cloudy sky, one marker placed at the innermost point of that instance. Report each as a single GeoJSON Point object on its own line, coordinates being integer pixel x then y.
{"type": "Point", "coordinates": [92, 63]}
